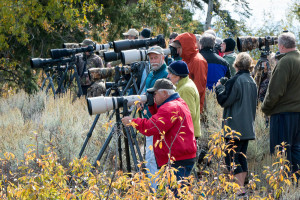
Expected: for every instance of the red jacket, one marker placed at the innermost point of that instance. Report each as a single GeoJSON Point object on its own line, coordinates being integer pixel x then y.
{"type": "Point", "coordinates": [196, 63]}
{"type": "Point", "coordinates": [161, 125]}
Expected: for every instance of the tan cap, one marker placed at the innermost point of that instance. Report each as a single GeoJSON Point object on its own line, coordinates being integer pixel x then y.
{"type": "Point", "coordinates": [156, 50]}
{"type": "Point", "coordinates": [132, 32]}
{"type": "Point", "coordinates": [162, 84]}
{"type": "Point", "coordinates": [87, 42]}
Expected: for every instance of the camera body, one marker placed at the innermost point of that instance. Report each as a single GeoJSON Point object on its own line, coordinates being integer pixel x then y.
{"type": "Point", "coordinates": [223, 80]}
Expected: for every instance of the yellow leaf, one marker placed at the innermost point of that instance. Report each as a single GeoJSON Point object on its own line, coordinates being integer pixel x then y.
{"type": "Point", "coordinates": [160, 145]}
{"type": "Point", "coordinates": [162, 121]}
{"type": "Point", "coordinates": [151, 148]}
{"type": "Point", "coordinates": [156, 143]}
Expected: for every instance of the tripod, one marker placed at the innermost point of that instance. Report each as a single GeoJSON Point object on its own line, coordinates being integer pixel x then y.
{"type": "Point", "coordinates": [130, 139]}
{"type": "Point", "coordinates": [61, 73]}
{"type": "Point", "coordinates": [259, 69]}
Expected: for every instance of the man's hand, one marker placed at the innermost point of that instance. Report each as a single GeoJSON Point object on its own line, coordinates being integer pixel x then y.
{"type": "Point", "coordinates": [150, 98]}
{"type": "Point", "coordinates": [126, 120]}
{"type": "Point", "coordinates": [108, 65]}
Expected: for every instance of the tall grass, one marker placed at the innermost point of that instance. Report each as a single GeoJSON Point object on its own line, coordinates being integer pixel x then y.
{"type": "Point", "coordinates": [30, 124]}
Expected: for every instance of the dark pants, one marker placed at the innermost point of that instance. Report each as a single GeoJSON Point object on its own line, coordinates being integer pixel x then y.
{"type": "Point", "coordinates": [237, 157]}
{"type": "Point", "coordinates": [183, 171]}
{"type": "Point", "coordinates": [285, 127]}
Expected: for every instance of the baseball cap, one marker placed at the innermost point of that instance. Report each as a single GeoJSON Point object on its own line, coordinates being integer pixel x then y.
{"type": "Point", "coordinates": [87, 42]}
{"type": "Point", "coordinates": [162, 84]}
{"type": "Point", "coordinates": [156, 50]}
{"type": "Point", "coordinates": [132, 32]}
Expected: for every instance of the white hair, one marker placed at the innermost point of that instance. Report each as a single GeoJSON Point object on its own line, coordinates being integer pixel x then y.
{"type": "Point", "coordinates": [169, 91]}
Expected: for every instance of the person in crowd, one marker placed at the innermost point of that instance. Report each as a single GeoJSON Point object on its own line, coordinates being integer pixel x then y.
{"type": "Point", "coordinates": [262, 75]}
{"type": "Point", "coordinates": [172, 37]}
{"type": "Point", "coordinates": [86, 61]}
{"type": "Point", "coordinates": [170, 117]}
{"type": "Point", "coordinates": [145, 33]}
{"type": "Point", "coordinates": [186, 46]}
{"type": "Point", "coordinates": [158, 71]}
{"type": "Point", "coordinates": [227, 47]}
{"type": "Point", "coordinates": [282, 101]}
{"type": "Point", "coordinates": [238, 98]}
{"type": "Point", "coordinates": [144, 65]}
{"type": "Point", "coordinates": [218, 42]}
{"type": "Point", "coordinates": [217, 66]}
{"type": "Point", "coordinates": [131, 34]}
{"type": "Point", "coordinates": [186, 88]}
{"type": "Point", "coordinates": [198, 36]}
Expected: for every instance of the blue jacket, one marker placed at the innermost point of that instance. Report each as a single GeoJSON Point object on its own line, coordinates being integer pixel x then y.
{"type": "Point", "coordinates": [218, 67]}
{"type": "Point", "coordinates": [152, 77]}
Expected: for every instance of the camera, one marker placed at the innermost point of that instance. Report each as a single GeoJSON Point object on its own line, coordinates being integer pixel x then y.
{"type": "Point", "coordinates": [58, 53]}
{"type": "Point", "coordinates": [223, 80]}
{"type": "Point", "coordinates": [111, 56]}
{"type": "Point", "coordinates": [247, 43]}
{"type": "Point", "coordinates": [97, 47]}
{"type": "Point", "coordinates": [96, 74]}
{"type": "Point", "coordinates": [135, 44]}
{"type": "Point", "coordinates": [45, 62]}
{"type": "Point", "coordinates": [98, 105]}
{"type": "Point", "coordinates": [71, 45]}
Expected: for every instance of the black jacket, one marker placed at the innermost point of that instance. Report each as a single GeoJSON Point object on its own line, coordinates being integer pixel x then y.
{"type": "Point", "coordinates": [238, 98]}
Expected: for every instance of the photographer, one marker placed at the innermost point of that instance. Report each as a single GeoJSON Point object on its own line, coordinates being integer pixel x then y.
{"type": "Point", "coordinates": [178, 74]}
{"type": "Point", "coordinates": [227, 47]}
{"type": "Point", "coordinates": [186, 46]}
{"type": "Point", "coordinates": [282, 100]}
{"type": "Point", "coordinates": [170, 117]}
{"type": "Point", "coordinates": [86, 61]}
{"type": "Point", "coordinates": [238, 98]}
{"type": "Point", "coordinates": [217, 66]}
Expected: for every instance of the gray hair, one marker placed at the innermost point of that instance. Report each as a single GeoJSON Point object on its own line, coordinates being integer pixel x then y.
{"type": "Point", "coordinates": [169, 91]}
{"type": "Point", "coordinates": [288, 40]}
{"type": "Point", "coordinates": [243, 61]}
{"type": "Point", "coordinates": [207, 41]}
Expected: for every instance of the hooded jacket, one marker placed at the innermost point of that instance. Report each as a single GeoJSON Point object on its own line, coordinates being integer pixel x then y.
{"type": "Point", "coordinates": [196, 63]}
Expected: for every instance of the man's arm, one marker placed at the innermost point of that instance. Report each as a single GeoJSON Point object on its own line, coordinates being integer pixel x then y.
{"type": "Point", "coordinates": [157, 124]}
{"type": "Point", "coordinates": [276, 88]}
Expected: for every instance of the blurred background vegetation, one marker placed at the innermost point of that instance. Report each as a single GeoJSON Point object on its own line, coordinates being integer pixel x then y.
{"type": "Point", "coordinates": [31, 28]}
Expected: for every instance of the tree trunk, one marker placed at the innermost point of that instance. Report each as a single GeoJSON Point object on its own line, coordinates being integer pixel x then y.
{"type": "Point", "coordinates": [209, 15]}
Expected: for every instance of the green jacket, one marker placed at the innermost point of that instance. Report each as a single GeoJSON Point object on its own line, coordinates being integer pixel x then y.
{"type": "Point", "coordinates": [283, 94]}
{"type": "Point", "coordinates": [189, 93]}
{"type": "Point", "coordinates": [230, 58]}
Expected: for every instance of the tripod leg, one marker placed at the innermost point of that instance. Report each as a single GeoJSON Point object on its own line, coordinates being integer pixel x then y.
{"type": "Point", "coordinates": [89, 135]}
{"type": "Point", "coordinates": [136, 144]}
{"type": "Point", "coordinates": [120, 153]}
{"type": "Point", "coordinates": [126, 139]}
{"type": "Point", "coordinates": [108, 139]}
{"type": "Point", "coordinates": [133, 154]}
